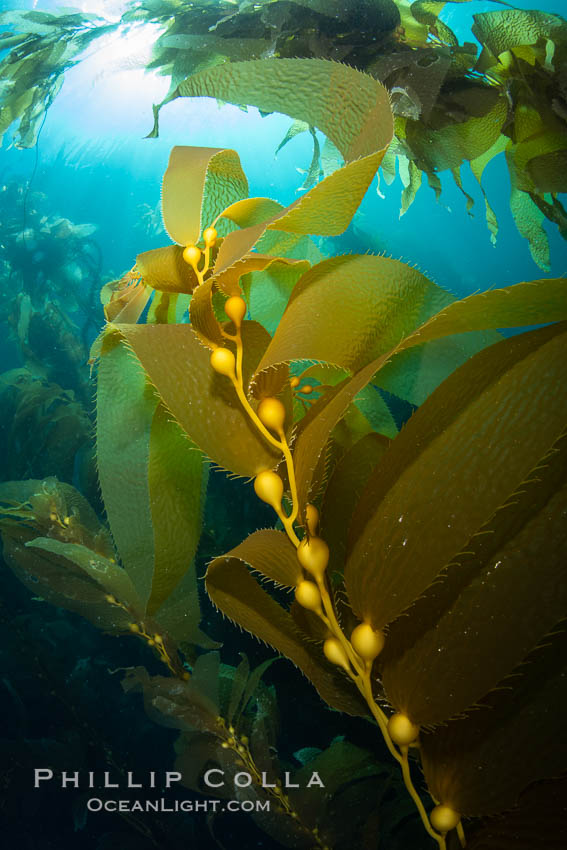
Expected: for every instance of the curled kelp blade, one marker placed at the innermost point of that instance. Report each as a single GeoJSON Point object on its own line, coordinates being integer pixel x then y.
{"type": "Point", "coordinates": [125, 300]}
{"type": "Point", "coordinates": [165, 269]}
{"type": "Point", "coordinates": [154, 504]}
{"type": "Point", "coordinates": [197, 185]}
{"type": "Point", "coordinates": [238, 595]}
{"type": "Point", "coordinates": [361, 132]}
{"type": "Point", "coordinates": [481, 763]}
{"type": "Point", "coordinates": [440, 658]}
{"type": "Point", "coordinates": [203, 403]}
{"type": "Point", "coordinates": [458, 459]}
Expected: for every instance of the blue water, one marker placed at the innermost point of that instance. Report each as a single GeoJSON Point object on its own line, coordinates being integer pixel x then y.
{"type": "Point", "coordinates": [94, 166]}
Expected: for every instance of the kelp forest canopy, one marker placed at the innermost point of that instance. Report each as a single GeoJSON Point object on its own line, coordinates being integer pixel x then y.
{"type": "Point", "coordinates": [454, 103]}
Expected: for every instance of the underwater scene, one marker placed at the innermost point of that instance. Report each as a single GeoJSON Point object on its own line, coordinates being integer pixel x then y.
{"type": "Point", "coordinates": [283, 421]}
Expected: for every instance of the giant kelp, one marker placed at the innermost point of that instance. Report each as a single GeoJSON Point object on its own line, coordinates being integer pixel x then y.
{"type": "Point", "coordinates": [426, 609]}
{"type": "Point", "coordinates": [42, 47]}
{"type": "Point", "coordinates": [425, 584]}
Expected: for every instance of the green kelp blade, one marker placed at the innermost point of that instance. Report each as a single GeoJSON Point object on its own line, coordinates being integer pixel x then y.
{"type": "Point", "coordinates": [350, 309]}
{"type": "Point", "coordinates": [177, 479]}
{"type": "Point", "coordinates": [111, 578]}
{"type": "Point", "coordinates": [55, 579]}
{"type": "Point", "coordinates": [496, 601]}
{"type": "Point", "coordinates": [238, 595]}
{"type": "Point", "coordinates": [267, 290]}
{"type": "Point", "coordinates": [151, 478]}
{"type": "Point", "coordinates": [505, 29]}
{"type": "Point", "coordinates": [204, 403]}
{"type": "Point", "coordinates": [415, 372]}
{"type": "Point", "coordinates": [529, 219]}
{"type": "Point", "coordinates": [126, 404]}
{"type": "Point", "coordinates": [253, 683]}
{"type": "Point", "coordinates": [238, 686]}
{"type": "Point", "coordinates": [480, 764]}
{"type": "Point", "coordinates": [313, 90]}
{"type": "Point", "coordinates": [197, 176]}
{"type": "Point", "coordinates": [530, 303]}
{"type": "Point", "coordinates": [225, 185]}
{"type": "Point", "coordinates": [458, 459]}
{"type": "Point", "coordinates": [478, 166]}
{"type": "Point", "coordinates": [446, 341]}
{"type": "Point", "coordinates": [173, 703]}
{"type": "Point", "coordinates": [451, 145]}
{"type": "Point", "coordinates": [538, 822]}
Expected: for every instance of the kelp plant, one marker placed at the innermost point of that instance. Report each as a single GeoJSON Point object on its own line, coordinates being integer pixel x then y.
{"type": "Point", "coordinates": [425, 564]}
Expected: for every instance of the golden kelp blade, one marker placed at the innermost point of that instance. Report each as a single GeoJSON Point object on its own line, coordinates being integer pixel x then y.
{"type": "Point", "coordinates": [164, 269]}
{"type": "Point", "coordinates": [206, 408]}
{"type": "Point", "coordinates": [348, 310]}
{"type": "Point", "coordinates": [541, 300]}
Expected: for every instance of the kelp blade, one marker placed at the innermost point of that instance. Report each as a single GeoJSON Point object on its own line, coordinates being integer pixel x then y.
{"type": "Point", "coordinates": [460, 457]}
{"type": "Point", "coordinates": [151, 476]}
{"type": "Point", "coordinates": [232, 588]}
{"type": "Point", "coordinates": [184, 184]}
{"type": "Point", "coordinates": [441, 659]}
{"type": "Point", "coordinates": [203, 403]}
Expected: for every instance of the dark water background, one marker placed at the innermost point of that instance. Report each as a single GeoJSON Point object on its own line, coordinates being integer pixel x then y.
{"type": "Point", "coordinates": [93, 166]}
